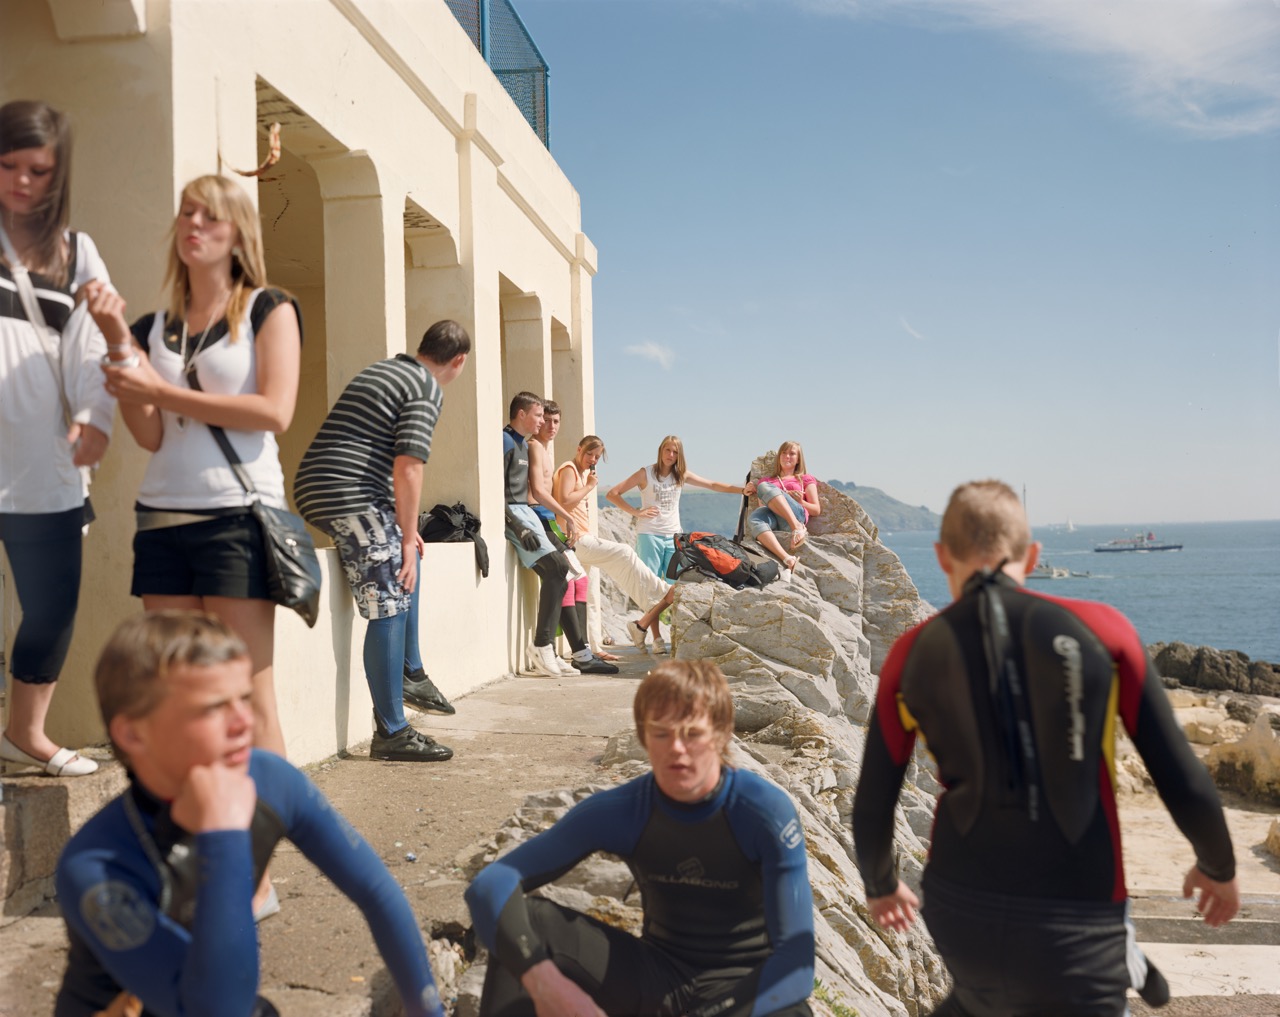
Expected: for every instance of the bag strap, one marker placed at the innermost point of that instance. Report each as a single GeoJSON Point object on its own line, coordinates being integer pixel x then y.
{"type": "Point", "coordinates": [741, 531]}
{"type": "Point", "coordinates": [224, 443]}
{"type": "Point", "coordinates": [31, 307]}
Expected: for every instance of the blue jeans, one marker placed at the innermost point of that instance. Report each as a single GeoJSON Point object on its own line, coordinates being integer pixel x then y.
{"type": "Point", "coordinates": [763, 520]}
{"type": "Point", "coordinates": [391, 646]}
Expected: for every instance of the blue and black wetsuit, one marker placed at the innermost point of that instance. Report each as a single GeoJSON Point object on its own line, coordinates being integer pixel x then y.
{"type": "Point", "coordinates": [167, 915]}
{"type": "Point", "coordinates": [1018, 696]}
{"type": "Point", "coordinates": [728, 912]}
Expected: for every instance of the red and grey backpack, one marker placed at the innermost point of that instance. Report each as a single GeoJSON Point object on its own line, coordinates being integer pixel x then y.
{"type": "Point", "coordinates": [715, 555]}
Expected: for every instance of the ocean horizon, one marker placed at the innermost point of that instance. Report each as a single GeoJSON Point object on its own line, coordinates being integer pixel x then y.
{"type": "Point", "coordinates": [1221, 590]}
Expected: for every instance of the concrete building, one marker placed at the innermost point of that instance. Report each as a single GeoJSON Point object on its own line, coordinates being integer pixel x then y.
{"type": "Point", "coordinates": [410, 189]}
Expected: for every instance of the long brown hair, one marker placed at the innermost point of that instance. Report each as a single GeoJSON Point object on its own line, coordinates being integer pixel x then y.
{"type": "Point", "coordinates": [27, 123]}
{"type": "Point", "coordinates": [785, 447]}
{"type": "Point", "coordinates": [679, 469]}
{"type": "Point", "coordinates": [225, 199]}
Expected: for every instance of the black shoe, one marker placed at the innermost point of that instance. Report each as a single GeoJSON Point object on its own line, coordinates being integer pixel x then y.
{"type": "Point", "coordinates": [407, 746]}
{"type": "Point", "coordinates": [423, 695]}
{"type": "Point", "coordinates": [1155, 990]}
{"type": "Point", "coordinates": [594, 666]}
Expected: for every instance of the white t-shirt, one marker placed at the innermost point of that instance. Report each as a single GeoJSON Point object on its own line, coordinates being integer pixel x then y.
{"type": "Point", "coordinates": [36, 472]}
{"type": "Point", "coordinates": [665, 494]}
{"type": "Point", "coordinates": [189, 470]}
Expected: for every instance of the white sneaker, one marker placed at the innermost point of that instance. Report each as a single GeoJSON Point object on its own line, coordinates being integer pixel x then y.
{"type": "Point", "coordinates": [542, 662]}
{"type": "Point", "coordinates": [566, 669]}
{"type": "Point", "coordinates": [659, 645]}
{"type": "Point", "coordinates": [638, 635]}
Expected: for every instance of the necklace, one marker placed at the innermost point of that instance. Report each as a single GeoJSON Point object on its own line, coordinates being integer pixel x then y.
{"type": "Point", "coordinates": [189, 355]}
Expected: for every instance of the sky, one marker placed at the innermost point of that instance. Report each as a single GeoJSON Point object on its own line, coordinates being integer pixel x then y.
{"type": "Point", "coordinates": [936, 240]}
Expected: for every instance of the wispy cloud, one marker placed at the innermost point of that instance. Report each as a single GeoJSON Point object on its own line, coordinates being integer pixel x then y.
{"type": "Point", "coordinates": [1208, 67]}
{"type": "Point", "coordinates": [906, 327]}
{"type": "Point", "coordinates": [663, 356]}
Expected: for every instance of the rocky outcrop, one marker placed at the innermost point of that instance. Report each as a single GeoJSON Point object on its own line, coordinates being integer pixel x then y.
{"type": "Point", "coordinates": [1251, 765]}
{"type": "Point", "coordinates": [1203, 667]}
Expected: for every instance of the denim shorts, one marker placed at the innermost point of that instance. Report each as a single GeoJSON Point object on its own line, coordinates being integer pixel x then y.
{"type": "Point", "coordinates": [223, 556]}
{"type": "Point", "coordinates": [762, 520]}
{"type": "Point", "coordinates": [530, 518]}
{"type": "Point", "coordinates": [368, 543]}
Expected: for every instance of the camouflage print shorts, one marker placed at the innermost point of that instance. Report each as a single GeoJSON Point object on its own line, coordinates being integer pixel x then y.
{"type": "Point", "coordinates": [369, 545]}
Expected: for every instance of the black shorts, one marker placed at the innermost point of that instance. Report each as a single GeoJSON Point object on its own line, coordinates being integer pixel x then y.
{"type": "Point", "coordinates": [1023, 955]}
{"type": "Point", "coordinates": [222, 557]}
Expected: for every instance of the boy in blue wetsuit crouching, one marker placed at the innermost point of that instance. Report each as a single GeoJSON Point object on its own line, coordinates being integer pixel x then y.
{"type": "Point", "coordinates": [718, 855]}
{"type": "Point", "coordinates": [157, 888]}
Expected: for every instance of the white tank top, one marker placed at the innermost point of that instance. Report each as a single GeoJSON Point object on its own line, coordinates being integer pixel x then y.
{"type": "Point", "coordinates": [665, 494]}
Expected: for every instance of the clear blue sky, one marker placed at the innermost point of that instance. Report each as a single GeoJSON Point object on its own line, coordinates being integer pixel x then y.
{"type": "Point", "coordinates": [936, 240]}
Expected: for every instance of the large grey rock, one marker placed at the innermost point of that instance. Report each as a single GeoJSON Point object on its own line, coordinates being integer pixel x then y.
{"type": "Point", "coordinates": [1252, 764]}
{"type": "Point", "coordinates": [1204, 667]}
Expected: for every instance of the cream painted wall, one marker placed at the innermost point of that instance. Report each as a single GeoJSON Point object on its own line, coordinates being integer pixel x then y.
{"type": "Point", "coordinates": [386, 107]}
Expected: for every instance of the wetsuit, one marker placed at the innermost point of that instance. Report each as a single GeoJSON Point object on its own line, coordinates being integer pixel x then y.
{"type": "Point", "coordinates": [1018, 696]}
{"type": "Point", "coordinates": [552, 568]}
{"type": "Point", "coordinates": [728, 912]}
{"type": "Point", "coordinates": [168, 916]}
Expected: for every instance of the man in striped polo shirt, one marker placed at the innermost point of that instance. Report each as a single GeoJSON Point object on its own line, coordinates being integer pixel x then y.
{"type": "Point", "coordinates": [360, 482]}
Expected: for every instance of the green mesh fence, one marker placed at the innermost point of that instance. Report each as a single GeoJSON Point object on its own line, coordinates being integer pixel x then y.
{"type": "Point", "coordinates": [509, 50]}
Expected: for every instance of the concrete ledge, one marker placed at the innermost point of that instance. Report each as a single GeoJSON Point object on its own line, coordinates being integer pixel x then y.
{"type": "Point", "coordinates": [37, 816]}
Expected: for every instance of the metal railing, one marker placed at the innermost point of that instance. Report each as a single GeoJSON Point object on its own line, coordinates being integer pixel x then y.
{"type": "Point", "coordinates": [512, 55]}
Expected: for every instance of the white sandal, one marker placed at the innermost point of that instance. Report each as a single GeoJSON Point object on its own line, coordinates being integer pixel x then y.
{"type": "Point", "coordinates": [63, 763]}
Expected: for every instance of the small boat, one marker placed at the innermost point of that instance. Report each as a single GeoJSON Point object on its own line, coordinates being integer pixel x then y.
{"type": "Point", "coordinates": [1138, 542]}
{"type": "Point", "coordinates": [1046, 571]}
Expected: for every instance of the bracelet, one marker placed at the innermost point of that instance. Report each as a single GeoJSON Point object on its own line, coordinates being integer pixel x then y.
{"type": "Point", "coordinates": [119, 347]}
{"type": "Point", "coordinates": [133, 360]}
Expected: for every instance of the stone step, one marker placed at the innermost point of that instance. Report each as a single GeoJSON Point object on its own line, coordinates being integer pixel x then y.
{"type": "Point", "coordinates": [1173, 919]}
{"type": "Point", "coordinates": [37, 816]}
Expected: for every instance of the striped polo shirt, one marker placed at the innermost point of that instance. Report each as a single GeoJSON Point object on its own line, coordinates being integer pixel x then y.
{"type": "Point", "coordinates": [389, 409]}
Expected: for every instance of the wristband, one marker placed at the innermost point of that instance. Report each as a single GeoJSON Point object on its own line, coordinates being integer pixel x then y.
{"type": "Point", "coordinates": [133, 360]}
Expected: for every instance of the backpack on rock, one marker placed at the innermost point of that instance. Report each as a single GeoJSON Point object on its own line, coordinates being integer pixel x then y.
{"type": "Point", "coordinates": [714, 555]}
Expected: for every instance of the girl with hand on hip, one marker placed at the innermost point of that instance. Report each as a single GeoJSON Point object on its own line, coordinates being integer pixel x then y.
{"type": "Point", "coordinates": [659, 513]}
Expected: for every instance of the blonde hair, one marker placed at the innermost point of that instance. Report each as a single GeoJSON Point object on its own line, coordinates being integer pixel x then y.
{"type": "Point", "coordinates": [984, 519]}
{"type": "Point", "coordinates": [680, 689]}
{"type": "Point", "coordinates": [679, 469]}
{"type": "Point", "coordinates": [131, 671]}
{"type": "Point", "coordinates": [225, 200]}
{"type": "Point", "coordinates": [787, 446]}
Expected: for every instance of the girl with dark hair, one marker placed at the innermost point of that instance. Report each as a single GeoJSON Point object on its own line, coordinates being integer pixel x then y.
{"type": "Point", "coordinates": [55, 417]}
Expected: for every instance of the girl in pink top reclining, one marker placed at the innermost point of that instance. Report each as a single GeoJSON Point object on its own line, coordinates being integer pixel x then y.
{"type": "Point", "coordinates": [787, 502]}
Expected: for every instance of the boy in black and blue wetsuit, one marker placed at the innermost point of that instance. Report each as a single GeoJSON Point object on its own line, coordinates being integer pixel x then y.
{"type": "Point", "coordinates": [156, 889]}
{"type": "Point", "coordinates": [718, 855]}
{"type": "Point", "coordinates": [1020, 697]}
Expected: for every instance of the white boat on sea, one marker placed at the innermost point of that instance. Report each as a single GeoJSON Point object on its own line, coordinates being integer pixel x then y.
{"type": "Point", "coordinates": [1138, 542]}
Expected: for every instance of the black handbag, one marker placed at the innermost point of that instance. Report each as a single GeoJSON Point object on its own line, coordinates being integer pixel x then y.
{"type": "Point", "coordinates": [293, 570]}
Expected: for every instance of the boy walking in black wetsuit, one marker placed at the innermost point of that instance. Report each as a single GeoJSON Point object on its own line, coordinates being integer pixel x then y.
{"type": "Point", "coordinates": [1018, 696]}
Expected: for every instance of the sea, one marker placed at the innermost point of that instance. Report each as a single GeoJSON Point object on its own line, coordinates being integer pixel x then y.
{"type": "Point", "coordinates": [1221, 590]}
